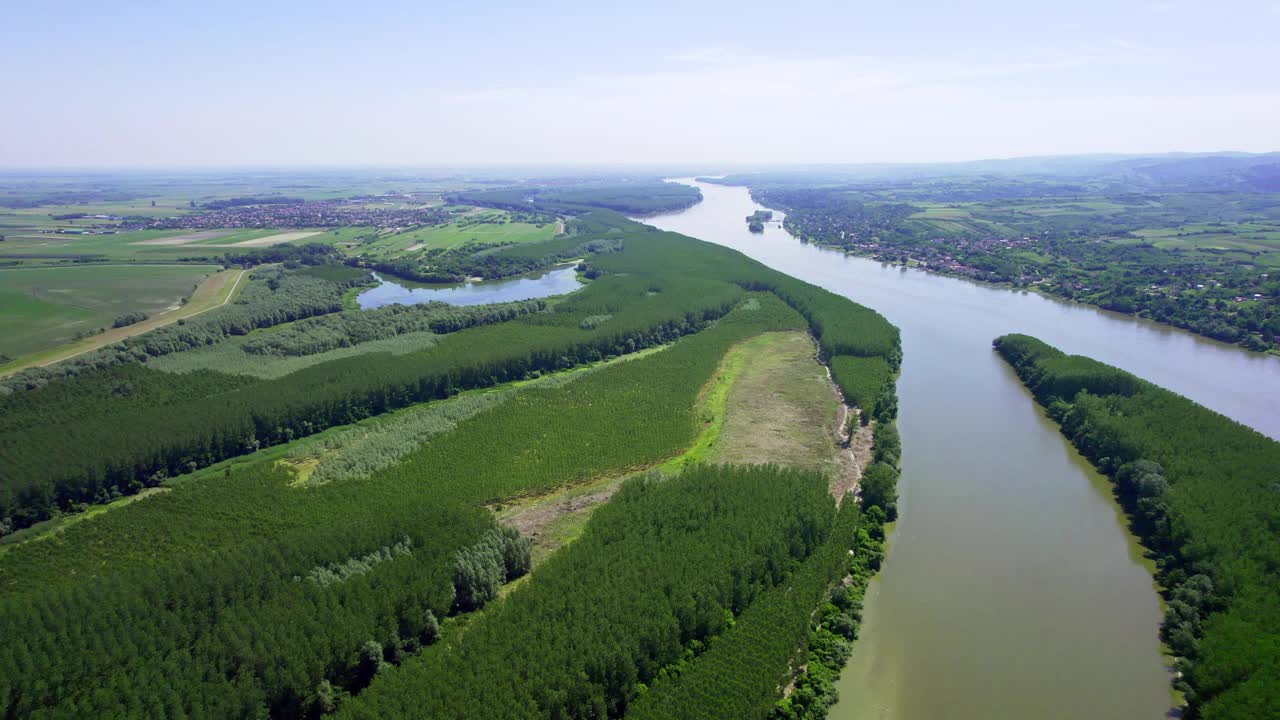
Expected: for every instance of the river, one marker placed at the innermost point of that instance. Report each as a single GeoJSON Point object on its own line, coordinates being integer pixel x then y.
{"type": "Point", "coordinates": [1011, 587]}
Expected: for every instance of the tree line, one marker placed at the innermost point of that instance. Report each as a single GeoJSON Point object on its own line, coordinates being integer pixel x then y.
{"type": "Point", "coordinates": [1201, 492]}
{"type": "Point", "coordinates": [105, 448]}
{"type": "Point", "coordinates": [271, 296]}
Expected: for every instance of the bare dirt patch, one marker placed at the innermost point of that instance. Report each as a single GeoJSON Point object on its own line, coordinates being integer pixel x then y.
{"type": "Point", "coordinates": [276, 239]}
{"type": "Point", "coordinates": [855, 455]}
{"type": "Point", "coordinates": [555, 520]}
{"type": "Point", "coordinates": [186, 238]}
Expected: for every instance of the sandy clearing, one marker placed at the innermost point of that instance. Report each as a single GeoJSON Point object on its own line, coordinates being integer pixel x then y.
{"type": "Point", "coordinates": [48, 236]}
{"type": "Point", "coordinates": [272, 239]}
{"type": "Point", "coordinates": [855, 448]}
{"type": "Point", "coordinates": [554, 520]}
{"type": "Point", "coordinates": [186, 238]}
{"type": "Point", "coordinates": [415, 246]}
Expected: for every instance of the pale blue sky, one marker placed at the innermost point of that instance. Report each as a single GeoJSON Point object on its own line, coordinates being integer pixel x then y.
{"type": "Point", "coordinates": [426, 83]}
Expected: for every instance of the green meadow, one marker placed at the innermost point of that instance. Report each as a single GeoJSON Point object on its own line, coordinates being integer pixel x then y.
{"type": "Point", "coordinates": [489, 227]}
{"type": "Point", "coordinates": [46, 307]}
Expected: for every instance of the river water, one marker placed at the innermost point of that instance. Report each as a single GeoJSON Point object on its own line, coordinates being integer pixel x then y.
{"type": "Point", "coordinates": [1011, 588]}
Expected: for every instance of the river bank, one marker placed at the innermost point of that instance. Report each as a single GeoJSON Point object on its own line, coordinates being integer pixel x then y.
{"type": "Point", "coordinates": [913, 265]}
{"type": "Point", "coordinates": [1013, 588]}
{"type": "Point", "coordinates": [1036, 288]}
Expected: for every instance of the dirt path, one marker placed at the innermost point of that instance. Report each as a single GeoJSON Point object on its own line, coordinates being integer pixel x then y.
{"type": "Point", "coordinates": [855, 452]}
{"type": "Point", "coordinates": [217, 290]}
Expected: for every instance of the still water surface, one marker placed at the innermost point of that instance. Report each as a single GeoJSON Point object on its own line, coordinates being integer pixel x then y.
{"type": "Point", "coordinates": [1011, 589]}
{"type": "Point", "coordinates": [526, 287]}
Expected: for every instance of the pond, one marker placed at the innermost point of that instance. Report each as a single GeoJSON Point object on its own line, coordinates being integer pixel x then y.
{"type": "Point", "coordinates": [526, 287]}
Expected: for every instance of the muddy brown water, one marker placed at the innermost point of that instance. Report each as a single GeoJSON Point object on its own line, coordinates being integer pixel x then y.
{"type": "Point", "coordinates": [1012, 588]}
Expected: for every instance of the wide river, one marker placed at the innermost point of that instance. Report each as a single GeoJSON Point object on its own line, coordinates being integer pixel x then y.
{"type": "Point", "coordinates": [1011, 588]}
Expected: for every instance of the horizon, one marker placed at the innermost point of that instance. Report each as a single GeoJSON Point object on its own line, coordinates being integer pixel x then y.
{"type": "Point", "coordinates": [629, 166]}
{"type": "Point", "coordinates": [329, 85]}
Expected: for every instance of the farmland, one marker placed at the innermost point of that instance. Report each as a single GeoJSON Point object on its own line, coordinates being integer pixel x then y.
{"type": "Point", "coordinates": [487, 228]}
{"type": "Point", "coordinates": [146, 221]}
{"type": "Point", "coordinates": [45, 307]}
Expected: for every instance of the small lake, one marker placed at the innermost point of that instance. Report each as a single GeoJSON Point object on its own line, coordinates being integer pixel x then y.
{"type": "Point", "coordinates": [526, 287]}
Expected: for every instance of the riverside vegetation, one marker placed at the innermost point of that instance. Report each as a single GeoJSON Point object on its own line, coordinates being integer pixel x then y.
{"type": "Point", "coordinates": [1190, 242]}
{"type": "Point", "coordinates": [265, 572]}
{"type": "Point", "coordinates": [1201, 491]}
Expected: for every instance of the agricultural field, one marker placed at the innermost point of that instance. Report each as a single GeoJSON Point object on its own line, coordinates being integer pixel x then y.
{"type": "Point", "coordinates": [1251, 238]}
{"type": "Point", "coordinates": [142, 246]}
{"type": "Point", "coordinates": [46, 307]}
{"type": "Point", "coordinates": [484, 227]}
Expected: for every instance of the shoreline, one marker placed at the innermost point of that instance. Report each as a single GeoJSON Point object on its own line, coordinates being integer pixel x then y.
{"type": "Point", "coordinates": [1273, 352]}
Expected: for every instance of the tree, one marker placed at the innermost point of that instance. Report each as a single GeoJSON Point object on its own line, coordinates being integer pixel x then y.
{"type": "Point", "coordinates": [879, 489]}
{"type": "Point", "coordinates": [325, 699]}
{"type": "Point", "coordinates": [370, 663]}
{"type": "Point", "coordinates": [430, 629]}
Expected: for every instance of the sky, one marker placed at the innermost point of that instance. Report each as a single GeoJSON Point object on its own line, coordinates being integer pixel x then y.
{"type": "Point", "coordinates": [182, 84]}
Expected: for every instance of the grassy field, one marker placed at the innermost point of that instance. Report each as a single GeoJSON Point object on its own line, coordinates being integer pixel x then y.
{"type": "Point", "coordinates": [1259, 238]}
{"type": "Point", "coordinates": [488, 226]}
{"type": "Point", "coordinates": [781, 408]}
{"type": "Point", "coordinates": [31, 247]}
{"type": "Point", "coordinates": [229, 357]}
{"type": "Point", "coordinates": [1255, 237]}
{"type": "Point", "coordinates": [953, 218]}
{"type": "Point", "coordinates": [46, 307]}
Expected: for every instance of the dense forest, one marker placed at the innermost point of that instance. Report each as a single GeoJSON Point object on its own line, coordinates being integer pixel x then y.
{"type": "Point", "coordinates": [660, 573]}
{"type": "Point", "coordinates": [639, 198]}
{"type": "Point", "coordinates": [236, 591]}
{"type": "Point", "coordinates": [1201, 492]}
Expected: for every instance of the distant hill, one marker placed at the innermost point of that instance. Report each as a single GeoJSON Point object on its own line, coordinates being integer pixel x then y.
{"type": "Point", "coordinates": [1205, 172]}
{"type": "Point", "coordinates": [1164, 172]}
